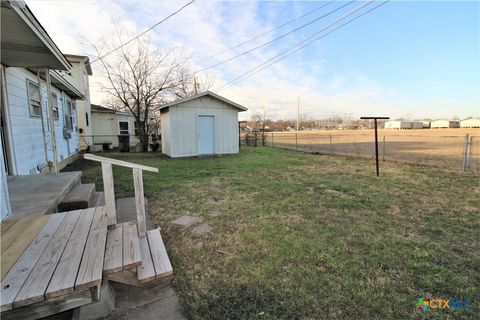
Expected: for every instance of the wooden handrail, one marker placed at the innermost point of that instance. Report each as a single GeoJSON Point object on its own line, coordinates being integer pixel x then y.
{"type": "Point", "coordinates": [121, 163]}
{"type": "Point", "coordinates": [109, 189]}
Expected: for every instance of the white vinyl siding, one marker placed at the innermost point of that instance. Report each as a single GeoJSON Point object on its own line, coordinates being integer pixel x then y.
{"type": "Point", "coordinates": [27, 130]}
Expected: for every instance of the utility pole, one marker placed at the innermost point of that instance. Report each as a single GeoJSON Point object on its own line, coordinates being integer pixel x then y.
{"type": "Point", "coordinates": [298, 113]}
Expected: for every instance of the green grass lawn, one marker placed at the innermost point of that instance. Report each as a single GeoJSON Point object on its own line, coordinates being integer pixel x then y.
{"type": "Point", "coordinates": [314, 237]}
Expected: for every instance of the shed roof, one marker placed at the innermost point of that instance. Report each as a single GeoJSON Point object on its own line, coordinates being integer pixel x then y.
{"type": "Point", "coordinates": [203, 94]}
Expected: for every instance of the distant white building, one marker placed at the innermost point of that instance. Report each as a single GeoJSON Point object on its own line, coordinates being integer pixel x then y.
{"type": "Point", "coordinates": [204, 124]}
{"type": "Point", "coordinates": [437, 124]}
{"type": "Point", "coordinates": [470, 123]}
{"type": "Point", "coordinates": [403, 125]}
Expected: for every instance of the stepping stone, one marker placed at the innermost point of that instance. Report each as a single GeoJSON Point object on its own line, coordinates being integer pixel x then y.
{"type": "Point", "coordinates": [215, 213]}
{"type": "Point", "coordinates": [186, 221]}
{"type": "Point", "coordinates": [203, 228]}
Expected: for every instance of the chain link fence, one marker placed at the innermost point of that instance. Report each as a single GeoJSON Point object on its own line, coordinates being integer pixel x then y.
{"type": "Point", "coordinates": [429, 148]}
{"type": "Point", "coordinates": [122, 143]}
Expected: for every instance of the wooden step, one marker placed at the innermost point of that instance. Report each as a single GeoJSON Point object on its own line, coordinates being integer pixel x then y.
{"type": "Point", "coordinates": [155, 261]}
{"type": "Point", "coordinates": [80, 197]}
{"type": "Point", "coordinates": [123, 249]}
{"type": "Point", "coordinates": [155, 267]}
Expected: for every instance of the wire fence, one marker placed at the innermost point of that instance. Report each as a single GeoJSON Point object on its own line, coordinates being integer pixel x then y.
{"type": "Point", "coordinates": [456, 152]}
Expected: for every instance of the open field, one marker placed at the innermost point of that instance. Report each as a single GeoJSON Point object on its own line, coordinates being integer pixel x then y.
{"type": "Point", "coordinates": [307, 236]}
{"type": "Point", "coordinates": [432, 147]}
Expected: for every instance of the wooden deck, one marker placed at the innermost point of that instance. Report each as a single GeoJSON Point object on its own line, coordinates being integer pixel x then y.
{"type": "Point", "coordinates": [65, 255]}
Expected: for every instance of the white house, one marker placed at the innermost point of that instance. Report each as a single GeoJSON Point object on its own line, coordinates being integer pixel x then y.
{"type": "Point", "coordinates": [470, 123]}
{"type": "Point", "coordinates": [113, 129]}
{"type": "Point", "coordinates": [79, 73]}
{"type": "Point", "coordinates": [38, 113]}
{"type": "Point", "coordinates": [203, 124]}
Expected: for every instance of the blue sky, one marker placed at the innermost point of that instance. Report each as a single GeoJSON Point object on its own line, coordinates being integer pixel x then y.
{"type": "Point", "coordinates": [405, 59]}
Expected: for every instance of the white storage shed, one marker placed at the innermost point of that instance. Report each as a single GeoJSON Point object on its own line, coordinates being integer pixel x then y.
{"type": "Point", "coordinates": [203, 124]}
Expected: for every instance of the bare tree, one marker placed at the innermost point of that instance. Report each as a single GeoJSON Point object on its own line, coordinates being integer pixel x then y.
{"type": "Point", "coordinates": [140, 77]}
{"type": "Point", "coordinates": [190, 84]}
{"type": "Point", "coordinates": [262, 120]}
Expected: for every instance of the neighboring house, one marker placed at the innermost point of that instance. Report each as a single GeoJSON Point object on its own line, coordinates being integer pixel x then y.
{"type": "Point", "coordinates": [470, 123]}
{"type": "Point", "coordinates": [113, 129]}
{"type": "Point", "coordinates": [204, 124]}
{"type": "Point", "coordinates": [38, 113]}
{"type": "Point", "coordinates": [79, 78]}
{"type": "Point", "coordinates": [444, 124]}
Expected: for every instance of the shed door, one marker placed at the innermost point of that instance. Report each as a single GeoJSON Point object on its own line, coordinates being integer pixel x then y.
{"type": "Point", "coordinates": [206, 135]}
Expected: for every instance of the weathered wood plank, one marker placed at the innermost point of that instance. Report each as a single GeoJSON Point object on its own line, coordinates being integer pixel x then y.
{"type": "Point", "coordinates": [49, 307]}
{"type": "Point", "coordinates": [16, 249]}
{"type": "Point", "coordinates": [139, 199]}
{"type": "Point", "coordinates": [15, 278]}
{"type": "Point", "coordinates": [160, 259]}
{"type": "Point", "coordinates": [119, 162]}
{"type": "Point", "coordinates": [63, 279]}
{"type": "Point", "coordinates": [113, 261]}
{"type": "Point", "coordinates": [108, 189]}
{"type": "Point", "coordinates": [91, 267]}
{"type": "Point", "coordinates": [17, 230]}
{"type": "Point", "coordinates": [145, 271]}
{"type": "Point", "coordinates": [131, 247]}
{"type": "Point", "coordinates": [126, 276]}
{"type": "Point", "coordinates": [5, 225]}
{"type": "Point", "coordinates": [34, 288]}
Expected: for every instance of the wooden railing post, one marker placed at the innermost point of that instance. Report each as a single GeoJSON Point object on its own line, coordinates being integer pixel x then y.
{"type": "Point", "coordinates": [109, 193]}
{"type": "Point", "coordinates": [139, 199]}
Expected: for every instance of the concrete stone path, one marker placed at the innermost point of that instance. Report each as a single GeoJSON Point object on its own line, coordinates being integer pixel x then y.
{"type": "Point", "coordinates": [186, 221]}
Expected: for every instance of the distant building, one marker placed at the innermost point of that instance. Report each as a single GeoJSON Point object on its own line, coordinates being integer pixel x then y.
{"type": "Point", "coordinates": [437, 124]}
{"type": "Point", "coordinates": [403, 125]}
{"type": "Point", "coordinates": [113, 129]}
{"type": "Point", "coordinates": [470, 123]}
{"type": "Point", "coordinates": [425, 124]}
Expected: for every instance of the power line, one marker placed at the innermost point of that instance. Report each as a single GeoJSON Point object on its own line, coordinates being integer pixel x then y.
{"type": "Point", "coordinates": [141, 34]}
{"type": "Point", "coordinates": [271, 61]}
{"type": "Point", "coordinates": [275, 39]}
{"type": "Point", "coordinates": [264, 33]}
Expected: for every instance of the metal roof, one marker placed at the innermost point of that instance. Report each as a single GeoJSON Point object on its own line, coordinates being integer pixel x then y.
{"type": "Point", "coordinates": [203, 94]}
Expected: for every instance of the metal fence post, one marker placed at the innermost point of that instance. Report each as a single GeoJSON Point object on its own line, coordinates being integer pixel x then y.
{"type": "Point", "coordinates": [465, 153]}
{"type": "Point", "coordinates": [331, 145]}
{"type": "Point", "coordinates": [272, 139]}
{"type": "Point", "coordinates": [296, 141]}
{"type": "Point", "coordinates": [383, 153]}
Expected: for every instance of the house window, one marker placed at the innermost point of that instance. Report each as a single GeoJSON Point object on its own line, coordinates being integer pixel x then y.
{"type": "Point", "coordinates": [34, 104]}
{"type": "Point", "coordinates": [69, 115]}
{"type": "Point", "coordinates": [123, 128]}
{"type": "Point", "coordinates": [54, 106]}
{"type": "Point", "coordinates": [86, 119]}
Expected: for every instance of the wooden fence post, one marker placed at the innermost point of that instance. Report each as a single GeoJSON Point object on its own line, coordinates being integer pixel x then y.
{"type": "Point", "coordinates": [109, 193]}
{"type": "Point", "coordinates": [139, 200]}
